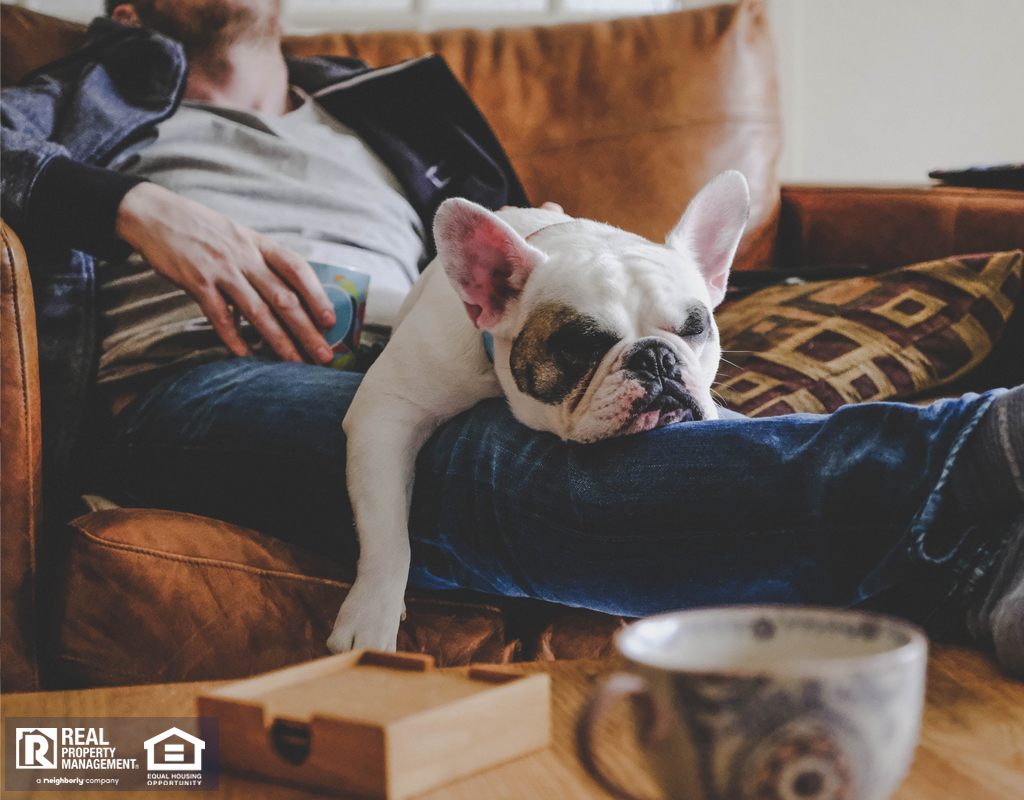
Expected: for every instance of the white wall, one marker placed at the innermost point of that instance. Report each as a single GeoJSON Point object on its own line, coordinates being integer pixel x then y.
{"type": "Point", "coordinates": [887, 90]}
{"type": "Point", "coordinates": [873, 91]}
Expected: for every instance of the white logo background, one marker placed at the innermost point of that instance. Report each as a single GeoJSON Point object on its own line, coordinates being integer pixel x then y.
{"type": "Point", "coordinates": [37, 748]}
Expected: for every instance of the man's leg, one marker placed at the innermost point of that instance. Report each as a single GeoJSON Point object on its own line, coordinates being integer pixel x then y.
{"type": "Point", "coordinates": [990, 478]}
{"type": "Point", "coordinates": [831, 510]}
{"type": "Point", "coordinates": [254, 442]}
{"type": "Point", "coordinates": [835, 510]}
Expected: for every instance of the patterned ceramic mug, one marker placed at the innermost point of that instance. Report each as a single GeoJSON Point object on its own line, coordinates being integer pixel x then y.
{"type": "Point", "coordinates": [768, 702]}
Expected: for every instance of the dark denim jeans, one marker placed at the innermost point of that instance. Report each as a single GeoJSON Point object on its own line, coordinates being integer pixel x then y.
{"type": "Point", "coordinates": [845, 509]}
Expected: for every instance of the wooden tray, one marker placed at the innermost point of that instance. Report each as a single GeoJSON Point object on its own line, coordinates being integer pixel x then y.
{"type": "Point", "coordinates": [378, 724]}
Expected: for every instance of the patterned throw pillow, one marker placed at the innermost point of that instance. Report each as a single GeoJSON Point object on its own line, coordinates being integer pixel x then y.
{"type": "Point", "coordinates": [816, 346]}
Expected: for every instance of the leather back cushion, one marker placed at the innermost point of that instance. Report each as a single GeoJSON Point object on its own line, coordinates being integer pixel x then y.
{"type": "Point", "coordinates": [620, 121]}
{"type": "Point", "coordinates": [30, 40]}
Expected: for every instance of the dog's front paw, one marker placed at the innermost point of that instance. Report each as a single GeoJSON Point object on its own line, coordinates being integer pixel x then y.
{"type": "Point", "coordinates": [368, 619]}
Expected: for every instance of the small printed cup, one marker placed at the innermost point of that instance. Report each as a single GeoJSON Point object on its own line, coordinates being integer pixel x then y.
{"type": "Point", "coordinates": [768, 703]}
{"type": "Point", "coordinates": [346, 289]}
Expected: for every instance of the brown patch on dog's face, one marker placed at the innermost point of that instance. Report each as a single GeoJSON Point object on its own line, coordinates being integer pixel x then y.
{"type": "Point", "coordinates": [557, 348]}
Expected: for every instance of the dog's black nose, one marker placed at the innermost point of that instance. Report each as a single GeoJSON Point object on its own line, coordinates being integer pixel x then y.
{"type": "Point", "coordinates": [658, 369]}
{"type": "Point", "coordinates": [653, 360]}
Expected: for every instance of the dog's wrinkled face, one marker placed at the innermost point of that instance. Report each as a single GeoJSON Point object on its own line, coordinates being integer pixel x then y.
{"type": "Point", "coordinates": [597, 332]}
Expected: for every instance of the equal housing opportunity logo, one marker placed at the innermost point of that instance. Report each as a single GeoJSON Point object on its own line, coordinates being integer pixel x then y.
{"type": "Point", "coordinates": [111, 753]}
{"type": "Point", "coordinates": [168, 751]}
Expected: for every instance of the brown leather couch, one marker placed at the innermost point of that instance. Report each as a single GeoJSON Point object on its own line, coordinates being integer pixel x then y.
{"type": "Point", "coordinates": [619, 121]}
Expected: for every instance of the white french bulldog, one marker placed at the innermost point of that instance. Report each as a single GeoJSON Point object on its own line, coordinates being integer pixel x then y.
{"type": "Point", "coordinates": [596, 333]}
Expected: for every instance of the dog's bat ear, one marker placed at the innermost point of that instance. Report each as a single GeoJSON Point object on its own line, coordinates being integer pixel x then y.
{"type": "Point", "coordinates": [486, 261]}
{"type": "Point", "coordinates": [711, 227]}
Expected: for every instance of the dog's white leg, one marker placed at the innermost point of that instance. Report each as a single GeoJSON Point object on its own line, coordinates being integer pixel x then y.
{"type": "Point", "coordinates": [393, 414]}
{"type": "Point", "coordinates": [434, 367]}
{"type": "Point", "coordinates": [382, 450]}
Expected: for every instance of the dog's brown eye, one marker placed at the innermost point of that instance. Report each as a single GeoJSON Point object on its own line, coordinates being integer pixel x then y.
{"type": "Point", "coordinates": [570, 348]}
{"type": "Point", "coordinates": [579, 344]}
{"type": "Point", "coordinates": [557, 349]}
{"type": "Point", "coordinates": [697, 324]}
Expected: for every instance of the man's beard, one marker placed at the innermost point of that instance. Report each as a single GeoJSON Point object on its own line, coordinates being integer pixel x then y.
{"type": "Point", "coordinates": [207, 29]}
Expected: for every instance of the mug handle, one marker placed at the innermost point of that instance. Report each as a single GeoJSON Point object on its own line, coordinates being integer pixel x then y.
{"type": "Point", "coordinates": [653, 727]}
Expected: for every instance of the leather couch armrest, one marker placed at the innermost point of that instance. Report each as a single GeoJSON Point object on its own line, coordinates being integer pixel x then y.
{"type": "Point", "coordinates": [888, 227]}
{"type": "Point", "coordinates": [20, 470]}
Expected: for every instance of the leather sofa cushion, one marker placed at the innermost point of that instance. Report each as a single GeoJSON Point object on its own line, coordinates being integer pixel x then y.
{"type": "Point", "coordinates": [160, 596]}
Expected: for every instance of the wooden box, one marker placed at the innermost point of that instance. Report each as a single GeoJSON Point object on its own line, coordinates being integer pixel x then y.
{"type": "Point", "coordinates": [379, 724]}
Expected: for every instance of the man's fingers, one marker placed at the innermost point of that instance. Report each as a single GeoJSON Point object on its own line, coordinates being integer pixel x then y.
{"type": "Point", "coordinates": [219, 262]}
{"type": "Point", "coordinates": [216, 310]}
{"type": "Point", "coordinates": [288, 308]}
{"type": "Point", "coordinates": [297, 274]}
{"type": "Point", "coordinates": [548, 206]}
{"type": "Point", "coordinates": [254, 309]}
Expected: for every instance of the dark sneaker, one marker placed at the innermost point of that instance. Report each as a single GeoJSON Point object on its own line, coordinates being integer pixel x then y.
{"type": "Point", "coordinates": [997, 620]}
{"type": "Point", "coordinates": [989, 478]}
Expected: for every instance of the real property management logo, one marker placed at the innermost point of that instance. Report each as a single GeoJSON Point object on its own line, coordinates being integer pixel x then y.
{"type": "Point", "coordinates": [37, 748]}
{"type": "Point", "coordinates": [67, 748]}
{"type": "Point", "coordinates": [111, 754]}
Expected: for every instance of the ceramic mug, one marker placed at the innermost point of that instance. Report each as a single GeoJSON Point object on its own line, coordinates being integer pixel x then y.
{"type": "Point", "coordinates": [768, 702]}
{"type": "Point", "coordinates": [346, 289]}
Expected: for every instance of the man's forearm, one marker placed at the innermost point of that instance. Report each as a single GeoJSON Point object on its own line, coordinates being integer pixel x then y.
{"type": "Point", "coordinates": [76, 205]}
{"type": "Point", "coordinates": [48, 196]}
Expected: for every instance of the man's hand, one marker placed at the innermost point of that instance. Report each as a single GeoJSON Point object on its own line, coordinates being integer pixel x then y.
{"type": "Point", "coordinates": [548, 206]}
{"type": "Point", "coordinates": [222, 264]}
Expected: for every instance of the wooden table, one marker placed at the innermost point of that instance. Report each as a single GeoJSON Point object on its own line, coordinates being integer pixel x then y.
{"type": "Point", "coordinates": [972, 741]}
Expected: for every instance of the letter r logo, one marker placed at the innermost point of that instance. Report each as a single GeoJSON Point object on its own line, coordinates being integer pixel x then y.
{"type": "Point", "coordinates": [37, 748]}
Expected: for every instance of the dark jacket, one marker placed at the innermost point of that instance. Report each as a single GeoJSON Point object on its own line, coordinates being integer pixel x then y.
{"type": "Point", "coordinates": [63, 123]}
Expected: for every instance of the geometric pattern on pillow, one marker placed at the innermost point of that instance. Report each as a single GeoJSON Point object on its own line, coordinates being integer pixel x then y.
{"type": "Point", "coordinates": [814, 347]}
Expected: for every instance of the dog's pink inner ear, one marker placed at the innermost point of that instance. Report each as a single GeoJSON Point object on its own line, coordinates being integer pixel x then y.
{"type": "Point", "coordinates": [714, 245]}
{"type": "Point", "coordinates": [487, 274]}
{"type": "Point", "coordinates": [711, 228]}
{"type": "Point", "coordinates": [486, 261]}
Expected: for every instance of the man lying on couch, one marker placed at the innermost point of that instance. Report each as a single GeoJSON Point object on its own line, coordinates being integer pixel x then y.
{"type": "Point", "coordinates": [205, 210]}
